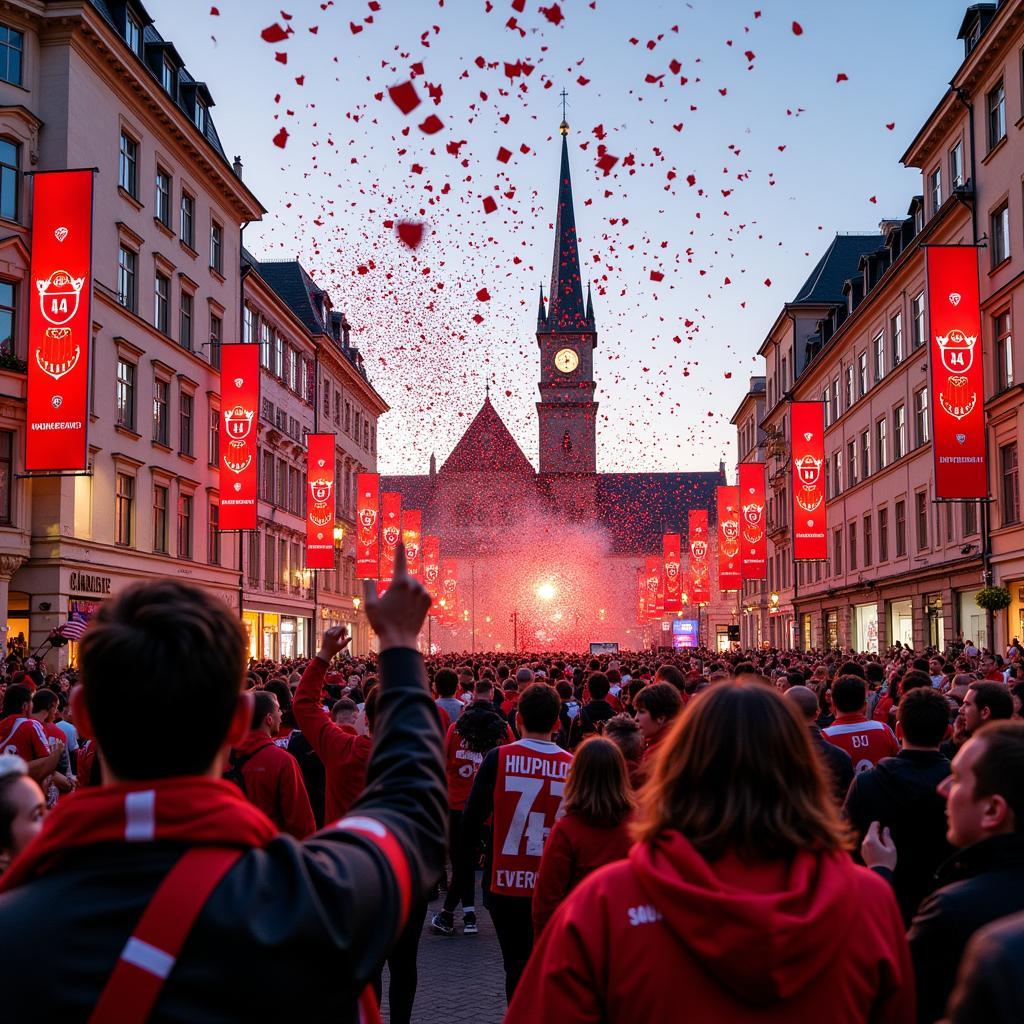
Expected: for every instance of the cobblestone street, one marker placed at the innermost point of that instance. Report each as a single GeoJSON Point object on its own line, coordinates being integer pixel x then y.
{"type": "Point", "coordinates": [460, 977]}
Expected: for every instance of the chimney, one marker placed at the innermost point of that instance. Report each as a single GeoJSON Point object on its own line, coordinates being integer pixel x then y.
{"type": "Point", "coordinates": [237, 167]}
{"type": "Point", "coordinates": [433, 466]}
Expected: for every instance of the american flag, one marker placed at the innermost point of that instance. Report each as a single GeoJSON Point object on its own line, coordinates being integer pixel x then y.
{"type": "Point", "coordinates": [74, 627]}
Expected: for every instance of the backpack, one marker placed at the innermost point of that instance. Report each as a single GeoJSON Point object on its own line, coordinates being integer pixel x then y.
{"type": "Point", "coordinates": [236, 762]}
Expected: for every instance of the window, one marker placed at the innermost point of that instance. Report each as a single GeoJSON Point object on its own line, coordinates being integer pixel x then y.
{"type": "Point", "coordinates": [185, 320]}
{"type": "Point", "coordinates": [851, 463]}
{"type": "Point", "coordinates": [269, 563]}
{"type": "Point", "coordinates": [184, 525]}
{"type": "Point", "coordinates": [784, 382]}
{"type": "Point", "coordinates": [881, 446]}
{"type": "Point", "coordinates": [161, 302]}
{"type": "Point", "coordinates": [866, 541]}
{"type": "Point", "coordinates": [8, 318]}
{"type": "Point", "coordinates": [127, 293]}
{"type": "Point", "coordinates": [125, 394]}
{"type": "Point", "coordinates": [199, 115]}
{"type": "Point", "coordinates": [169, 78]}
{"type": "Point", "coordinates": [282, 484]}
{"type": "Point", "coordinates": [1010, 488]}
{"type": "Point", "coordinates": [249, 321]}
{"type": "Point", "coordinates": [956, 165]}
{"type": "Point", "coordinates": [901, 528]}
{"type": "Point", "coordinates": [186, 409]}
{"type": "Point", "coordinates": [124, 502]}
{"type": "Point", "coordinates": [935, 189]}
{"type": "Point", "coordinates": [213, 438]}
{"type": "Point", "coordinates": [883, 534]}
{"type": "Point", "coordinates": [1000, 234]}
{"type": "Point", "coordinates": [267, 477]}
{"type": "Point", "coordinates": [1004, 350]}
{"type": "Point", "coordinates": [852, 534]}
{"type": "Point", "coordinates": [253, 560]}
{"type": "Point", "coordinates": [865, 454]}
{"type": "Point", "coordinates": [163, 197]}
{"type": "Point", "coordinates": [862, 375]}
{"type": "Point", "coordinates": [216, 247]}
{"type": "Point", "coordinates": [995, 104]}
{"type": "Point", "coordinates": [835, 399]}
{"type": "Point", "coordinates": [161, 400]}
{"type": "Point", "coordinates": [216, 339]}
{"type": "Point", "coordinates": [837, 551]}
{"type": "Point", "coordinates": [949, 522]}
{"type": "Point", "coordinates": [879, 357]}
{"type": "Point", "coordinates": [920, 417]}
{"type": "Point", "coordinates": [899, 432]}
{"type": "Point", "coordinates": [921, 515]}
{"type": "Point", "coordinates": [849, 386]}
{"type": "Point", "coordinates": [917, 318]}
{"type": "Point", "coordinates": [837, 473]}
{"type": "Point", "coordinates": [293, 369]}
{"type": "Point", "coordinates": [128, 166]}
{"type": "Point", "coordinates": [213, 534]}
{"type": "Point", "coordinates": [12, 48]}
{"type": "Point", "coordinates": [970, 518]}
{"type": "Point", "coordinates": [160, 519]}
{"type": "Point", "coordinates": [896, 333]}
{"type": "Point", "coordinates": [132, 32]}
{"type": "Point", "coordinates": [6, 475]}
{"type": "Point", "coordinates": [9, 179]}
{"type": "Point", "coordinates": [188, 220]}
{"type": "Point", "coordinates": [277, 358]}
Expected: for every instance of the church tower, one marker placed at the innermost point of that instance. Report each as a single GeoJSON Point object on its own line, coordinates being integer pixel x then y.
{"type": "Point", "coordinates": [566, 336]}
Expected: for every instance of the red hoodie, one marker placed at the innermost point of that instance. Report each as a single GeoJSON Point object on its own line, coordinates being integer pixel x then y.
{"type": "Point", "coordinates": [273, 782]}
{"type": "Point", "coordinates": [667, 936]}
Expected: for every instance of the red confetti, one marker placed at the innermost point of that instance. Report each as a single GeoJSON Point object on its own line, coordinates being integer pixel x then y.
{"type": "Point", "coordinates": [873, 199]}
{"type": "Point", "coordinates": [657, 275]}
{"type": "Point", "coordinates": [841, 77]}
{"type": "Point", "coordinates": [410, 233]}
{"type": "Point", "coordinates": [214, 12]}
{"type": "Point", "coordinates": [797, 29]}
{"type": "Point", "coordinates": [281, 138]}
{"type": "Point", "coordinates": [275, 34]}
{"type": "Point", "coordinates": [404, 97]}
{"type": "Point", "coordinates": [607, 162]}
{"type": "Point", "coordinates": [767, 282]}
{"type": "Point", "coordinates": [489, 204]}
{"type": "Point", "coordinates": [504, 155]}
{"type": "Point", "coordinates": [553, 14]}
{"type": "Point", "coordinates": [432, 125]}
{"type": "Point", "coordinates": [484, 295]}
{"type": "Point", "coordinates": [891, 125]}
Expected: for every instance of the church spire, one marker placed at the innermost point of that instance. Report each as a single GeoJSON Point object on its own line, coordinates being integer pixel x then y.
{"type": "Point", "coordinates": [590, 305]}
{"type": "Point", "coordinates": [565, 298]}
{"type": "Point", "coordinates": [542, 313]}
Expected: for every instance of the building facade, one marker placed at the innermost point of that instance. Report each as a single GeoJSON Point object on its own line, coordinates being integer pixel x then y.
{"type": "Point", "coordinates": [755, 603]}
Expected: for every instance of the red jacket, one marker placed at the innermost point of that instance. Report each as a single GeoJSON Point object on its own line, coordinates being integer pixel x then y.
{"type": "Point", "coordinates": [667, 936]}
{"type": "Point", "coordinates": [344, 753]}
{"type": "Point", "coordinates": [574, 849]}
{"type": "Point", "coordinates": [273, 782]}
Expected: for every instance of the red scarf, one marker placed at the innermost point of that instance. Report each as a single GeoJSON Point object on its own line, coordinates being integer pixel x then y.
{"type": "Point", "coordinates": [195, 810]}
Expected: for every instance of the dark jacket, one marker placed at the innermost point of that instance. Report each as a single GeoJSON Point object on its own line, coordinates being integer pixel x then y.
{"type": "Point", "coordinates": [585, 723]}
{"type": "Point", "coordinates": [837, 761]}
{"type": "Point", "coordinates": [295, 931]}
{"type": "Point", "coordinates": [990, 987]}
{"type": "Point", "coordinates": [980, 883]}
{"type": "Point", "coordinates": [901, 792]}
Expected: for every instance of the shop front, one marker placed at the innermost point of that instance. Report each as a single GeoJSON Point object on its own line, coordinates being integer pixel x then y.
{"type": "Point", "coordinates": [832, 628]}
{"type": "Point", "coordinates": [971, 618]}
{"type": "Point", "coordinates": [1015, 613]}
{"type": "Point", "coordinates": [865, 628]}
{"type": "Point", "coordinates": [806, 630]}
{"type": "Point", "coordinates": [901, 622]}
{"type": "Point", "coordinates": [935, 631]}
{"type": "Point", "coordinates": [275, 636]}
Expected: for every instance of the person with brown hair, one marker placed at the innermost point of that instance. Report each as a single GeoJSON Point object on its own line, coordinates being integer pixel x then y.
{"type": "Point", "coordinates": [739, 888]}
{"type": "Point", "coordinates": [594, 830]}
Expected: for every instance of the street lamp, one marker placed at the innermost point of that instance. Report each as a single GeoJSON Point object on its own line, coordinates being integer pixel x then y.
{"type": "Point", "coordinates": [546, 591]}
{"type": "Point", "coordinates": [356, 602]}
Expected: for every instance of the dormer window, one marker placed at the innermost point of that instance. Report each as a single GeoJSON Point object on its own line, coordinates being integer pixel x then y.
{"type": "Point", "coordinates": [200, 115]}
{"type": "Point", "coordinates": [918, 220]}
{"type": "Point", "coordinates": [168, 78]}
{"type": "Point", "coordinates": [133, 32]}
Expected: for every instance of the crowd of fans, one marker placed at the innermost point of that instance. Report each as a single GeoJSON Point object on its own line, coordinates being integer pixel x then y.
{"type": "Point", "coordinates": [759, 835]}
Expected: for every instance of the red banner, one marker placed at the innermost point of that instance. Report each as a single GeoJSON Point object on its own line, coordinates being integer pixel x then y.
{"type": "Point", "coordinates": [807, 430]}
{"type": "Point", "coordinates": [412, 537]}
{"type": "Point", "coordinates": [449, 601]}
{"type": "Point", "coordinates": [670, 544]}
{"type": "Point", "coordinates": [729, 577]}
{"type": "Point", "coordinates": [390, 532]}
{"type": "Point", "coordinates": [700, 551]}
{"type": "Point", "coordinates": [320, 501]}
{"type": "Point", "coordinates": [754, 549]}
{"type": "Point", "coordinates": [958, 378]}
{"type": "Point", "coordinates": [367, 526]}
{"type": "Point", "coordinates": [431, 548]}
{"type": "Point", "coordinates": [239, 402]}
{"type": "Point", "coordinates": [652, 581]}
{"type": "Point", "coordinates": [641, 597]}
{"type": "Point", "coordinates": [59, 321]}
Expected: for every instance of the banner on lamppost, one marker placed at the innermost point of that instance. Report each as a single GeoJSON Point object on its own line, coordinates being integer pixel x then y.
{"type": "Point", "coordinates": [652, 583]}
{"type": "Point", "coordinates": [641, 596]}
{"type": "Point", "coordinates": [390, 533]}
{"type": "Point", "coordinates": [729, 577]}
{"type": "Point", "coordinates": [412, 533]}
{"type": "Point", "coordinates": [449, 602]}
{"type": "Point", "coordinates": [670, 544]}
{"type": "Point", "coordinates": [957, 372]}
{"type": "Point", "coordinates": [753, 535]}
{"type": "Point", "coordinates": [239, 405]}
{"type": "Point", "coordinates": [807, 440]}
{"type": "Point", "coordinates": [700, 549]}
{"type": "Point", "coordinates": [367, 526]}
{"type": "Point", "coordinates": [320, 482]}
{"type": "Point", "coordinates": [431, 547]}
{"type": "Point", "coordinates": [59, 321]}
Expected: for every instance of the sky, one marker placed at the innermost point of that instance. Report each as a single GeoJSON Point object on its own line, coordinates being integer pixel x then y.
{"type": "Point", "coordinates": [716, 148]}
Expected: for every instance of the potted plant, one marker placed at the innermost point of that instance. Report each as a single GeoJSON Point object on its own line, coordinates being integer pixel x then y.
{"type": "Point", "coordinates": [993, 599]}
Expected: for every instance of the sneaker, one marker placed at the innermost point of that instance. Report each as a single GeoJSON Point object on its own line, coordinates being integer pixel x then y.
{"type": "Point", "coordinates": [443, 923]}
{"type": "Point", "coordinates": [469, 924]}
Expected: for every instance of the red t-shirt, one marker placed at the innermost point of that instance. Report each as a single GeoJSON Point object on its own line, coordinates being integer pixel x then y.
{"type": "Point", "coordinates": [867, 742]}
{"type": "Point", "coordinates": [461, 766]}
{"type": "Point", "coordinates": [23, 736]}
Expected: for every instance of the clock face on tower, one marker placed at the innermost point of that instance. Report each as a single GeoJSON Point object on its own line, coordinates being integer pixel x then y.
{"type": "Point", "coordinates": [566, 360]}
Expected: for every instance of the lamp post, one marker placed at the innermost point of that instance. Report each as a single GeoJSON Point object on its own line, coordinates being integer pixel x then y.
{"type": "Point", "coordinates": [356, 602]}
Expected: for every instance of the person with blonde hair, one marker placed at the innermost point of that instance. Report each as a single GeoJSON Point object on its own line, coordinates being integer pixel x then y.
{"type": "Point", "coordinates": [594, 831]}
{"type": "Point", "coordinates": [739, 888]}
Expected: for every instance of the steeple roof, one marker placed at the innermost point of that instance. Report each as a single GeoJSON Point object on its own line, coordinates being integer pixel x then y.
{"type": "Point", "coordinates": [487, 446]}
{"type": "Point", "coordinates": [565, 299]}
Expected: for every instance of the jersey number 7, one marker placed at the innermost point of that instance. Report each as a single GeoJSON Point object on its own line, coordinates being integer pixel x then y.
{"type": "Point", "coordinates": [525, 819]}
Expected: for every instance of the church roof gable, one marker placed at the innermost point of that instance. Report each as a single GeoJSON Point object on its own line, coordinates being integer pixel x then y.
{"type": "Point", "coordinates": [487, 446]}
